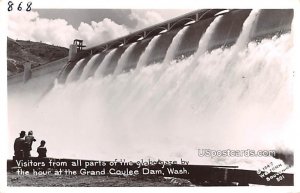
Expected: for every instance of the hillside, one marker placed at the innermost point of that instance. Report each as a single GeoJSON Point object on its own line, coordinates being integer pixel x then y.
{"type": "Point", "coordinates": [36, 53]}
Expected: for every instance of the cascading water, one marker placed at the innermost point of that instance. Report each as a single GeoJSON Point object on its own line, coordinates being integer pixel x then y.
{"type": "Point", "coordinates": [204, 41]}
{"type": "Point", "coordinates": [171, 52]}
{"type": "Point", "coordinates": [134, 115]}
{"type": "Point", "coordinates": [170, 55]}
{"type": "Point", "coordinates": [244, 37]}
{"type": "Point", "coordinates": [234, 50]}
{"type": "Point", "coordinates": [88, 67]}
{"type": "Point", "coordinates": [123, 61]}
{"type": "Point", "coordinates": [159, 78]}
{"type": "Point", "coordinates": [202, 48]}
{"type": "Point", "coordinates": [100, 70]}
{"type": "Point", "coordinates": [145, 55]}
{"type": "Point", "coordinates": [73, 74]}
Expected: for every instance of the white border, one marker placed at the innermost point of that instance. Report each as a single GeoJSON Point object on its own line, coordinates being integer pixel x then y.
{"type": "Point", "coordinates": [3, 95]}
{"type": "Point", "coordinates": [164, 4]}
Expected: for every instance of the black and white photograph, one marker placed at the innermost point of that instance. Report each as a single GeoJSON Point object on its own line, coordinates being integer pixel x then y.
{"type": "Point", "coordinates": [111, 97]}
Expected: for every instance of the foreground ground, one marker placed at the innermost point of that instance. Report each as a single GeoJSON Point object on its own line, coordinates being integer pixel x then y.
{"type": "Point", "coordinates": [93, 181]}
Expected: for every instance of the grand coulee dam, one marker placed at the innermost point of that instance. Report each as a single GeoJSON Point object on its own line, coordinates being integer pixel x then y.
{"type": "Point", "coordinates": [212, 78]}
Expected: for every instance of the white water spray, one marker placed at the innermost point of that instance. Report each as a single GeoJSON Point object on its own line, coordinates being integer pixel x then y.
{"type": "Point", "coordinates": [202, 48]}
{"type": "Point", "coordinates": [204, 43]}
{"type": "Point", "coordinates": [170, 53]}
{"type": "Point", "coordinates": [206, 114]}
{"type": "Point", "coordinates": [246, 33]}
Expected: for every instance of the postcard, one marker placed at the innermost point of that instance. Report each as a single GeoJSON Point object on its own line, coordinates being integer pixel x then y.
{"type": "Point", "coordinates": [108, 96]}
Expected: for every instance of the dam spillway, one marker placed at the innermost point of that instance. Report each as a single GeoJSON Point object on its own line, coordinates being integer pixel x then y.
{"type": "Point", "coordinates": [225, 34]}
{"type": "Point", "coordinates": [227, 75]}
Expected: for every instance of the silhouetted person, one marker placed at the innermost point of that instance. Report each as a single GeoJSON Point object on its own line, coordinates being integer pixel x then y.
{"type": "Point", "coordinates": [29, 139]}
{"type": "Point", "coordinates": [19, 146]}
{"type": "Point", "coordinates": [42, 150]}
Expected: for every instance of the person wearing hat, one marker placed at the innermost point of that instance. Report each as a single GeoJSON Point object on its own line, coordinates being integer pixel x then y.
{"type": "Point", "coordinates": [29, 139]}
{"type": "Point", "coordinates": [19, 146]}
{"type": "Point", "coordinates": [42, 150]}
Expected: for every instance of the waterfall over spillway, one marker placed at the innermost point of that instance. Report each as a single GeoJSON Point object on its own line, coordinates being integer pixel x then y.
{"type": "Point", "coordinates": [145, 55]}
{"type": "Point", "coordinates": [245, 35]}
{"type": "Point", "coordinates": [227, 98]}
{"type": "Point", "coordinates": [88, 67]}
{"type": "Point", "coordinates": [201, 115]}
{"type": "Point", "coordinates": [73, 74]}
{"type": "Point", "coordinates": [205, 39]}
{"type": "Point", "coordinates": [171, 51]}
{"type": "Point", "coordinates": [174, 45]}
{"type": "Point", "coordinates": [102, 67]}
{"type": "Point", "coordinates": [124, 59]}
{"type": "Point", "coordinates": [203, 44]}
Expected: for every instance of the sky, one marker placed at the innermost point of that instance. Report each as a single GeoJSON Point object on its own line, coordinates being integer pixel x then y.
{"type": "Point", "coordinates": [94, 26]}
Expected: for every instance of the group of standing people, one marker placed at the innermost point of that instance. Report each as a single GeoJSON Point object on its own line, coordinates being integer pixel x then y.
{"type": "Point", "coordinates": [23, 146]}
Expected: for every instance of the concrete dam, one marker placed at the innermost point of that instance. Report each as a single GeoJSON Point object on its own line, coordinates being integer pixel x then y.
{"type": "Point", "coordinates": [210, 79]}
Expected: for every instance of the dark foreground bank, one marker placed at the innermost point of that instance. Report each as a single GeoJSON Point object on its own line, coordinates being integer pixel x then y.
{"type": "Point", "coordinates": [71, 172]}
{"type": "Point", "coordinates": [93, 181]}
